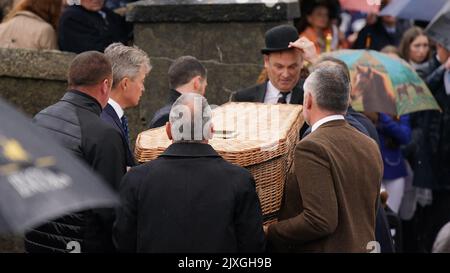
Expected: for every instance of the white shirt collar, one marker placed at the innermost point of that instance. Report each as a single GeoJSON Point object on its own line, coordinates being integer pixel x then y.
{"type": "Point", "coordinates": [325, 120]}
{"type": "Point", "coordinates": [273, 94]}
{"type": "Point", "coordinates": [116, 107]}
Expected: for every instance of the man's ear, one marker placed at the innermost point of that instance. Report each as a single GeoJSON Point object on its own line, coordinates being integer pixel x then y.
{"type": "Point", "coordinates": [124, 83]}
{"type": "Point", "coordinates": [308, 101]}
{"type": "Point", "coordinates": [106, 86]}
{"type": "Point", "coordinates": [169, 131]}
{"type": "Point", "coordinates": [197, 82]}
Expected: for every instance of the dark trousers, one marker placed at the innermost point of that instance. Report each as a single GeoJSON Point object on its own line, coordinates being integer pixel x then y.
{"type": "Point", "coordinates": [420, 232]}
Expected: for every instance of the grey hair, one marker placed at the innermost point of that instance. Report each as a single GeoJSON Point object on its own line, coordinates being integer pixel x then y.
{"type": "Point", "coordinates": [126, 61]}
{"type": "Point", "coordinates": [330, 86]}
{"type": "Point", "coordinates": [190, 118]}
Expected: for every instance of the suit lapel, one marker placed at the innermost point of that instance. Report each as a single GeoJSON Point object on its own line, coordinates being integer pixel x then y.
{"type": "Point", "coordinates": [109, 110]}
{"type": "Point", "coordinates": [261, 92]}
{"type": "Point", "coordinates": [297, 94]}
{"type": "Point", "coordinates": [112, 113]}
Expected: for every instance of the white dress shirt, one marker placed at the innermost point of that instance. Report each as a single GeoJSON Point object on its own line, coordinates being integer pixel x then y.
{"type": "Point", "coordinates": [325, 120]}
{"type": "Point", "coordinates": [117, 108]}
{"type": "Point", "coordinates": [273, 94]}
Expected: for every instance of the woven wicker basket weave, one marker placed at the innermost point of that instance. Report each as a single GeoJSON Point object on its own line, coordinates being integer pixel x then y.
{"type": "Point", "coordinates": [262, 139]}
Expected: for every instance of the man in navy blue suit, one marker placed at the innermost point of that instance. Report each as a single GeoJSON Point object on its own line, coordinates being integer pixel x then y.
{"type": "Point", "coordinates": [130, 67]}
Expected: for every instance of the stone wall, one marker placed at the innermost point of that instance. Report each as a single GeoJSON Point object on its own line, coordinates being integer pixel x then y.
{"type": "Point", "coordinates": [32, 79]}
{"type": "Point", "coordinates": [225, 35]}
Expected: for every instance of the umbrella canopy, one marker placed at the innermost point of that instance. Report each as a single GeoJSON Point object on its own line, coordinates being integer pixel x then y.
{"type": "Point", "coordinates": [381, 83]}
{"type": "Point", "coordinates": [424, 10]}
{"type": "Point", "coordinates": [438, 29]}
{"type": "Point", "coordinates": [369, 6]}
{"type": "Point", "coordinates": [39, 180]}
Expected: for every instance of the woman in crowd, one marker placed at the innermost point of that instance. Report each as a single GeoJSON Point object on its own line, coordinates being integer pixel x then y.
{"type": "Point", "coordinates": [425, 209]}
{"type": "Point", "coordinates": [415, 49]}
{"type": "Point", "coordinates": [31, 24]}
{"type": "Point", "coordinates": [393, 132]}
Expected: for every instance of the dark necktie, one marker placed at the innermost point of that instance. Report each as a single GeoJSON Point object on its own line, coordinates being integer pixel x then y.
{"type": "Point", "coordinates": [126, 130]}
{"type": "Point", "coordinates": [283, 97]}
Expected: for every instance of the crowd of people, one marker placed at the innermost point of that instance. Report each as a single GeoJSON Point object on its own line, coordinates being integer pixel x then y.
{"type": "Point", "coordinates": [54, 24]}
{"type": "Point", "coordinates": [356, 178]}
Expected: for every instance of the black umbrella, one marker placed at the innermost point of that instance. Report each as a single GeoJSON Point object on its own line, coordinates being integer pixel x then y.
{"type": "Point", "coordinates": [40, 180]}
{"type": "Point", "coordinates": [438, 29]}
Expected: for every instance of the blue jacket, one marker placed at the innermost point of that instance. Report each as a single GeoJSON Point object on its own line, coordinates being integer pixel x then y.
{"type": "Point", "coordinates": [393, 134]}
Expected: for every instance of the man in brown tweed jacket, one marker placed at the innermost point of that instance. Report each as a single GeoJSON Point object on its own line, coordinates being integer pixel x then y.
{"type": "Point", "coordinates": [332, 190]}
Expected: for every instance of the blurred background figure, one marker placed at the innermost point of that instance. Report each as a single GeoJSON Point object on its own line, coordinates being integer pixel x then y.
{"type": "Point", "coordinates": [91, 26]}
{"type": "Point", "coordinates": [393, 133]}
{"type": "Point", "coordinates": [319, 27]}
{"type": "Point", "coordinates": [391, 51]}
{"type": "Point", "coordinates": [386, 30]}
{"type": "Point", "coordinates": [415, 49]}
{"type": "Point", "coordinates": [439, 84]}
{"type": "Point", "coordinates": [118, 6]}
{"type": "Point", "coordinates": [31, 24]}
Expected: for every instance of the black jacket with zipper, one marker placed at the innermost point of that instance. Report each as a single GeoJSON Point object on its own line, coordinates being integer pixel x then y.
{"type": "Point", "coordinates": [75, 123]}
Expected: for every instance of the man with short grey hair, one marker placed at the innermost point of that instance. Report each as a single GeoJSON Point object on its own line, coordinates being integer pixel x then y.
{"type": "Point", "coordinates": [130, 66]}
{"type": "Point", "coordinates": [333, 188]}
{"type": "Point", "coordinates": [190, 119]}
{"type": "Point", "coordinates": [189, 199]}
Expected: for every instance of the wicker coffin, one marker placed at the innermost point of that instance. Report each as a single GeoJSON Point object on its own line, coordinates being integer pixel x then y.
{"type": "Point", "coordinates": [256, 136]}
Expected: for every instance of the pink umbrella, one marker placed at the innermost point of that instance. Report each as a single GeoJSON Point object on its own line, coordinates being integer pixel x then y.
{"type": "Point", "coordinates": [368, 6]}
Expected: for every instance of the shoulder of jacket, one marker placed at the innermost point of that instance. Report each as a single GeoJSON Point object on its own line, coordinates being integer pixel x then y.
{"type": "Point", "coordinates": [251, 88]}
{"type": "Point", "coordinates": [248, 91]}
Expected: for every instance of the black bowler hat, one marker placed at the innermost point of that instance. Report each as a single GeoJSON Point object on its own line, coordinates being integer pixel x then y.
{"type": "Point", "coordinates": [279, 37]}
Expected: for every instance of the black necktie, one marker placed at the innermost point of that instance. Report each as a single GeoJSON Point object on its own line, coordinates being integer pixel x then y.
{"type": "Point", "coordinates": [126, 130]}
{"type": "Point", "coordinates": [283, 97]}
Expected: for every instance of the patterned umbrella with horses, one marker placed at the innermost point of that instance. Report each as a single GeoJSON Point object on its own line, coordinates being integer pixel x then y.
{"type": "Point", "coordinates": [386, 84]}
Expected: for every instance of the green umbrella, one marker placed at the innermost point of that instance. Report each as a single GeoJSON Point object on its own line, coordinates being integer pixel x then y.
{"type": "Point", "coordinates": [382, 83]}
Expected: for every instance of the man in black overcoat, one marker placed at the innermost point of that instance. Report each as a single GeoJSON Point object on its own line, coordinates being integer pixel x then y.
{"type": "Point", "coordinates": [189, 199]}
